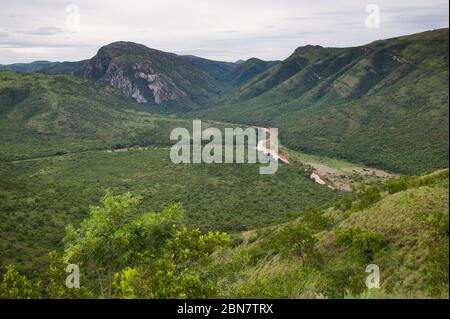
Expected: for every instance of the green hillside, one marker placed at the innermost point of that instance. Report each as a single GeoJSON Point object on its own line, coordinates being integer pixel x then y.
{"type": "Point", "coordinates": [246, 71]}
{"type": "Point", "coordinates": [43, 115]}
{"type": "Point", "coordinates": [87, 144]}
{"type": "Point", "coordinates": [152, 77]}
{"type": "Point", "coordinates": [384, 104]}
{"type": "Point", "coordinates": [28, 67]}
{"type": "Point", "coordinates": [323, 253]}
{"type": "Point", "coordinates": [65, 141]}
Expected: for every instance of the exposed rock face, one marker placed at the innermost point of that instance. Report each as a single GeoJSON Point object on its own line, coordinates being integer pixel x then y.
{"type": "Point", "coordinates": [128, 77]}
{"type": "Point", "coordinates": [163, 87]}
{"type": "Point", "coordinates": [115, 77]}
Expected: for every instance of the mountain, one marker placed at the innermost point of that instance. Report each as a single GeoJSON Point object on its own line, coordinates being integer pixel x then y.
{"type": "Point", "coordinates": [28, 67]}
{"type": "Point", "coordinates": [215, 69]}
{"type": "Point", "coordinates": [384, 104]}
{"type": "Point", "coordinates": [73, 68]}
{"type": "Point", "coordinates": [151, 76]}
{"type": "Point", "coordinates": [228, 73]}
{"type": "Point", "coordinates": [43, 114]}
{"type": "Point", "coordinates": [245, 71]}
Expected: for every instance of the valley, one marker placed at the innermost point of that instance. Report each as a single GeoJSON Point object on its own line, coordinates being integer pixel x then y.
{"type": "Point", "coordinates": [362, 175]}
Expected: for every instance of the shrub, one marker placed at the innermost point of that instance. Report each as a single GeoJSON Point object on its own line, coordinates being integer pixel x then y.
{"type": "Point", "coordinates": [362, 243]}
{"type": "Point", "coordinates": [396, 185]}
{"type": "Point", "coordinates": [17, 286]}
{"type": "Point", "coordinates": [367, 197]}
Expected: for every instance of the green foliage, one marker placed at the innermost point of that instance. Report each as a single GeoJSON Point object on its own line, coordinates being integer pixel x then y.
{"type": "Point", "coordinates": [141, 255]}
{"type": "Point", "coordinates": [367, 196]}
{"type": "Point", "coordinates": [180, 273]}
{"type": "Point", "coordinates": [437, 263]}
{"type": "Point", "coordinates": [41, 196]}
{"type": "Point", "coordinates": [296, 239]}
{"type": "Point", "coordinates": [17, 286]}
{"type": "Point", "coordinates": [316, 219]}
{"type": "Point", "coordinates": [54, 282]}
{"type": "Point", "coordinates": [384, 104]}
{"type": "Point", "coordinates": [115, 236]}
{"type": "Point", "coordinates": [300, 283]}
{"type": "Point", "coordinates": [345, 204]}
{"type": "Point", "coordinates": [163, 279]}
{"type": "Point", "coordinates": [363, 243]}
{"type": "Point", "coordinates": [396, 185]}
{"type": "Point", "coordinates": [192, 246]}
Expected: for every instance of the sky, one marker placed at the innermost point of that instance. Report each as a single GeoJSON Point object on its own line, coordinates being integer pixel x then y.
{"type": "Point", "coordinates": [227, 30]}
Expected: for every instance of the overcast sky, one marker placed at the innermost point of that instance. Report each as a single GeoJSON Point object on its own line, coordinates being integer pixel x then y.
{"type": "Point", "coordinates": [216, 29]}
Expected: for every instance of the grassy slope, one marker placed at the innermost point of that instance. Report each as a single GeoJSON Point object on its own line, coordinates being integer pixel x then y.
{"type": "Point", "coordinates": [257, 268]}
{"type": "Point", "coordinates": [385, 104]}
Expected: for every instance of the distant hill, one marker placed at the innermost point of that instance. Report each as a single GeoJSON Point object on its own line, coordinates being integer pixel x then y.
{"type": "Point", "coordinates": [28, 67]}
{"type": "Point", "coordinates": [43, 114]}
{"type": "Point", "coordinates": [247, 70]}
{"type": "Point", "coordinates": [215, 69]}
{"type": "Point", "coordinates": [385, 103]}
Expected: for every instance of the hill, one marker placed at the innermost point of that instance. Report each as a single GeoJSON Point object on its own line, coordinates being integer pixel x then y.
{"type": "Point", "coordinates": [42, 115]}
{"type": "Point", "coordinates": [28, 67]}
{"type": "Point", "coordinates": [66, 140]}
{"type": "Point", "coordinates": [246, 71]}
{"type": "Point", "coordinates": [151, 76]}
{"type": "Point", "coordinates": [323, 253]}
{"type": "Point", "coordinates": [384, 104]}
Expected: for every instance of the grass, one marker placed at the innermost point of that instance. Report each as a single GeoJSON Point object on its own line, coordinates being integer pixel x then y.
{"type": "Point", "coordinates": [256, 266]}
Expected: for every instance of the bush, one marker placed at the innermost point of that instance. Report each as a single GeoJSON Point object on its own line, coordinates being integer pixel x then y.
{"type": "Point", "coordinates": [296, 239]}
{"type": "Point", "coordinates": [396, 185]}
{"type": "Point", "coordinates": [17, 286]}
{"type": "Point", "coordinates": [367, 197]}
{"type": "Point", "coordinates": [362, 243]}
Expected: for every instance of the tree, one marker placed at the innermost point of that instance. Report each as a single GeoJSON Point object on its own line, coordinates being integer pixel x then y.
{"type": "Point", "coordinates": [182, 273]}
{"type": "Point", "coordinates": [115, 236]}
{"type": "Point", "coordinates": [142, 255]}
{"type": "Point", "coordinates": [297, 239]}
{"type": "Point", "coordinates": [361, 242]}
{"type": "Point", "coordinates": [55, 281]}
{"type": "Point", "coordinates": [17, 286]}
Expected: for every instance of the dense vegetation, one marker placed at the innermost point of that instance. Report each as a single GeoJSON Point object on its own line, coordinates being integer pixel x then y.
{"type": "Point", "coordinates": [384, 104]}
{"type": "Point", "coordinates": [67, 139]}
{"type": "Point", "coordinates": [322, 253]}
{"type": "Point", "coordinates": [40, 197]}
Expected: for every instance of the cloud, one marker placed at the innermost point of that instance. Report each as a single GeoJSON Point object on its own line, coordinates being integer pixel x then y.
{"type": "Point", "coordinates": [45, 31]}
{"type": "Point", "coordinates": [224, 29]}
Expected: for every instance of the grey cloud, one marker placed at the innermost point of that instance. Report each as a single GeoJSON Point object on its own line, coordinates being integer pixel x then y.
{"type": "Point", "coordinates": [297, 18]}
{"type": "Point", "coordinates": [44, 31]}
